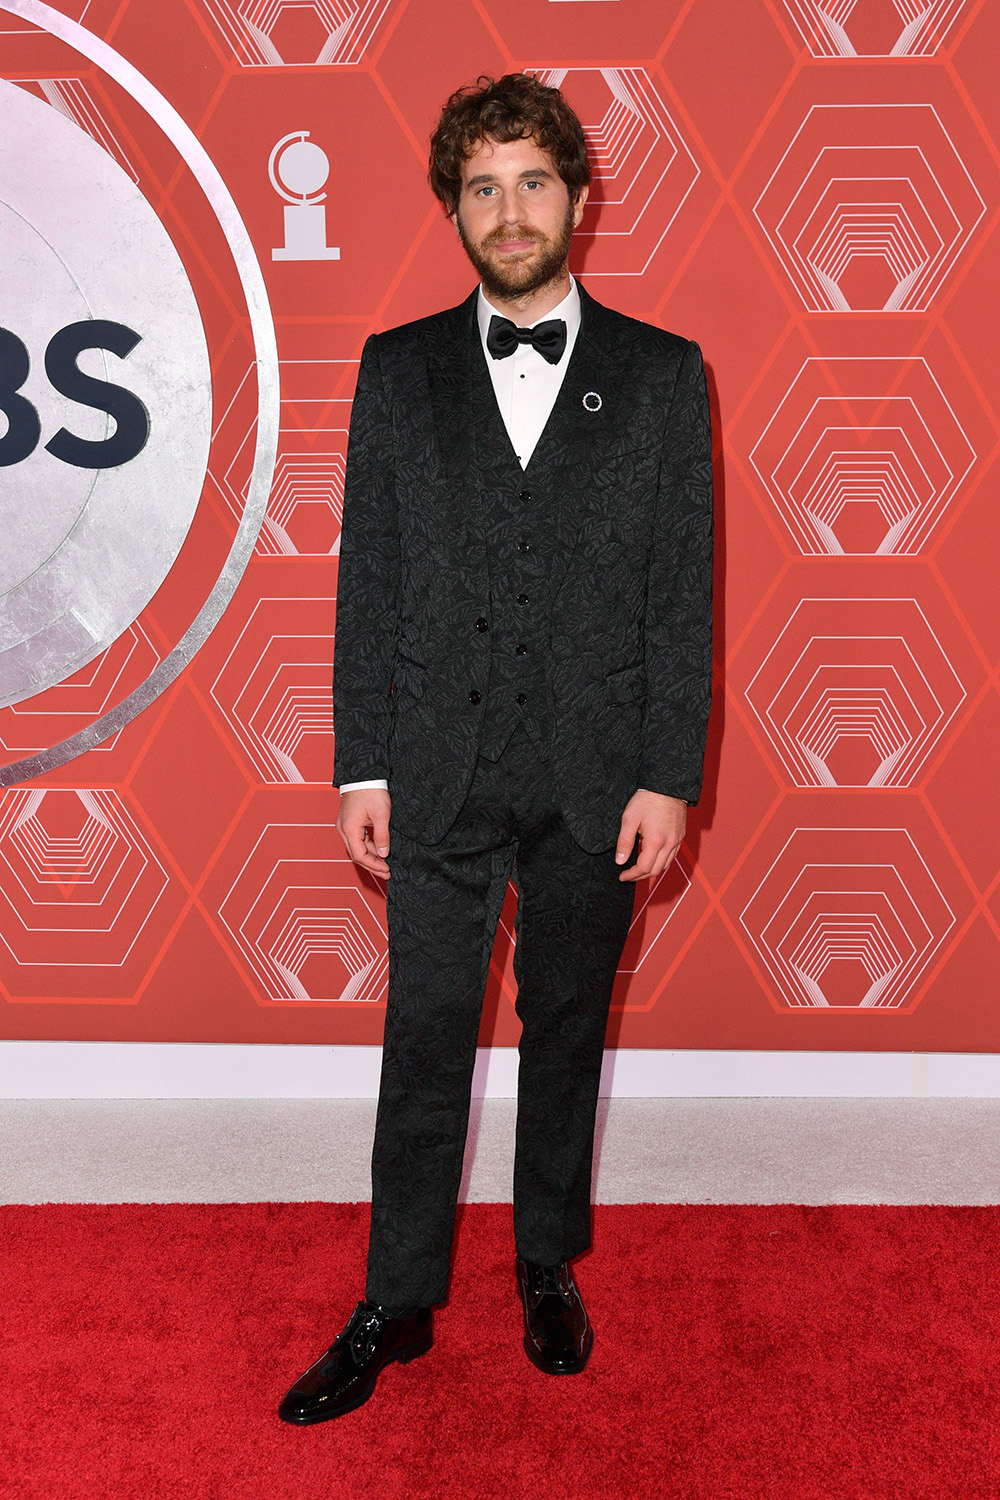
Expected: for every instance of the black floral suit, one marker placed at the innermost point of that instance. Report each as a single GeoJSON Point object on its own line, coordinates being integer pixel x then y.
{"type": "Point", "coordinates": [561, 615]}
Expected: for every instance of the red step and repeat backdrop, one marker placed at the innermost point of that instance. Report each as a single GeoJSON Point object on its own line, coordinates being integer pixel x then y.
{"type": "Point", "coordinates": [808, 187]}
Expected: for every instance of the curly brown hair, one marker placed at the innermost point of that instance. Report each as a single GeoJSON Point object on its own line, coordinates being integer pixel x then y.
{"type": "Point", "coordinates": [510, 108]}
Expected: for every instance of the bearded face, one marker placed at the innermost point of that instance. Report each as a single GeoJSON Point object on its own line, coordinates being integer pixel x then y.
{"type": "Point", "coordinates": [516, 217]}
{"type": "Point", "coordinates": [508, 273]}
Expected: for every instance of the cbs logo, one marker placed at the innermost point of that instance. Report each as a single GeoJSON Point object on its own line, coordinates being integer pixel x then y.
{"type": "Point", "coordinates": [24, 428]}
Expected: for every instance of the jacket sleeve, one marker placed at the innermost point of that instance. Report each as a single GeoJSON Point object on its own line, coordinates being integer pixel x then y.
{"type": "Point", "coordinates": [368, 586]}
{"type": "Point", "coordinates": [679, 597]}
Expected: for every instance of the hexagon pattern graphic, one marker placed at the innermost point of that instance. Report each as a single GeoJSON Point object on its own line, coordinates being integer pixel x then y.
{"type": "Point", "coordinates": [871, 28]}
{"type": "Point", "coordinates": [275, 689]}
{"type": "Point", "coordinates": [642, 166]}
{"type": "Point", "coordinates": [300, 921]}
{"type": "Point", "coordinates": [869, 207]}
{"type": "Point", "coordinates": [837, 931]}
{"type": "Point", "coordinates": [855, 692]}
{"type": "Point", "coordinates": [307, 492]}
{"type": "Point", "coordinates": [307, 495]}
{"type": "Point", "coordinates": [809, 188]}
{"type": "Point", "coordinates": [80, 880]}
{"type": "Point", "coordinates": [269, 33]}
{"type": "Point", "coordinates": [863, 455]}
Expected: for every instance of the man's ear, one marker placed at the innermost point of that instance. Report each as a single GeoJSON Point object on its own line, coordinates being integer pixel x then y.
{"type": "Point", "coordinates": [579, 205]}
{"type": "Point", "coordinates": [454, 221]}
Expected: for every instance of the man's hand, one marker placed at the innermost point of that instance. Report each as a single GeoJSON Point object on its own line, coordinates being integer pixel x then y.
{"type": "Point", "coordinates": [660, 822]}
{"type": "Point", "coordinates": [363, 824]}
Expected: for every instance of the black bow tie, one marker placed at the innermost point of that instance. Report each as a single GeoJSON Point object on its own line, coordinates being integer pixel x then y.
{"type": "Point", "coordinates": [549, 338]}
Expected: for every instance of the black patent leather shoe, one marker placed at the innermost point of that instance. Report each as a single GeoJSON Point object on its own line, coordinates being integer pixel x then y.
{"type": "Point", "coordinates": [558, 1337]}
{"type": "Point", "coordinates": [344, 1377]}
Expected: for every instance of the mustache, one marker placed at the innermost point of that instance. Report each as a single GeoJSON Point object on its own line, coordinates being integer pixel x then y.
{"type": "Point", "coordinates": [500, 236]}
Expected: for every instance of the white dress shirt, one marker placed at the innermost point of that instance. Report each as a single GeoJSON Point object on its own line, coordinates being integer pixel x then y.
{"type": "Point", "coordinates": [526, 386]}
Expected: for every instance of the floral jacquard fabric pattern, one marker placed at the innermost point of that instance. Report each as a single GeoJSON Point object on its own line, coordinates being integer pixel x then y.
{"type": "Point", "coordinates": [443, 902]}
{"type": "Point", "coordinates": [622, 473]}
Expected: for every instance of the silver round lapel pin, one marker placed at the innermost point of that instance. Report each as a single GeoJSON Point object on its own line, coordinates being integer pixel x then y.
{"type": "Point", "coordinates": [592, 401]}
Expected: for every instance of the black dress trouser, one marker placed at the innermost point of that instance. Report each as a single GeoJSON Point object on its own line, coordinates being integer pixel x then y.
{"type": "Point", "coordinates": [443, 905]}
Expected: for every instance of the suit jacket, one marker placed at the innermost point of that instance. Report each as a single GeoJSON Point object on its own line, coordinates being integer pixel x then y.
{"type": "Point", "coordinates": [628, 613]}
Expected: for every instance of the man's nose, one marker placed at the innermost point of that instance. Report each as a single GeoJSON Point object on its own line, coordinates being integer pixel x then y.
{"type": "Point", "coordinates": [510, 208]}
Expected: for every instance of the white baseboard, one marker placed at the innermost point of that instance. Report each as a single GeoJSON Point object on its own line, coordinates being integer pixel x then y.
{"type": "Point", "coordinates": [189, 1070]}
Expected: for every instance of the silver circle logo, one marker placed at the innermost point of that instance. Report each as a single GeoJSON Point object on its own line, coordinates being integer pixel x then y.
{"type": "Point", "coordinates": [105, 396]}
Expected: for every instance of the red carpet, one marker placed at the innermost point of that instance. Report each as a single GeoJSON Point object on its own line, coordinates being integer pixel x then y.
{"type": "Point", "coordinates": [794, 1353]}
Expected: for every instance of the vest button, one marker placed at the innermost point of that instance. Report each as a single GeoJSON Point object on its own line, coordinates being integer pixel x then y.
{"type": "Point", "coordinates": [525, 497]}
{"type": "Point", "coordinates": [520, 650]}
{"type": "Point", "coordinates": [524, 546]}
{"type": "Point", "coordinates": [522, 698]}
{"type": "Point", "coordinates": [522, 598]}
{"type": "Point", "coordinates": [482, 624]}
{"type": "Point", "coordinates": [475, 696]}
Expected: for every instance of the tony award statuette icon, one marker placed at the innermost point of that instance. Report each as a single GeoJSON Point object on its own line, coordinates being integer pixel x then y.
{"type": "Point", "coordinates": [298, 169]}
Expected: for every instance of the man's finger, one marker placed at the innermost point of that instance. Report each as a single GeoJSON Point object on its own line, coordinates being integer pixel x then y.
{"type": "Point", "coordinates": [355, 836]}
{"type": "Point", "coordinates": [665, 858]}
{"type": "Point", "coordinates": [361, 849]}
{"type": "Point", "coordinates": [380, 832]}
{"type": "Point", "coordinates": [353, 842]}
{"type": "Point", "coordinates": [641, 868]}
{"type": "Point", "coordinates": [645, 863]}
{"type": "Point", "coordinates": [626, 838]}
{"type": "Point", "coordinates": [652, 868]}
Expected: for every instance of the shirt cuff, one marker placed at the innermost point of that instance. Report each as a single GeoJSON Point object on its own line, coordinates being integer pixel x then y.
{"type": "Point", "coordinates": [364, 786]}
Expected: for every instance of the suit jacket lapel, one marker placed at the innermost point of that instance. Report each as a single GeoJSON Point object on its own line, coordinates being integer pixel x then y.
{"type": "Point", "coordinates": [498, 464]}
{"type": "Point", "coordinates": [571, 425]}
{"type": "Point", "coordinates": [456, 508]}
{"type": "Point", "coordinates": [450, 388]}
{"type": "Point", "coordinates": [583, 424]}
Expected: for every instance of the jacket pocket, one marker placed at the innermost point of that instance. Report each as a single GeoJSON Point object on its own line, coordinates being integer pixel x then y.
{"type": "Point", "coordinates": [625, 684]}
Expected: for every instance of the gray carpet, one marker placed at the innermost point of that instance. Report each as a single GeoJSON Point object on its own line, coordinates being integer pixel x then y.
{"type": "Point", "coordinates": [648, 1150]}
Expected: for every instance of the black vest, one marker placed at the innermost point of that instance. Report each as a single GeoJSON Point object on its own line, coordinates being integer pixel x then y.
{"type": "Point", "coordinates": [520, 512]}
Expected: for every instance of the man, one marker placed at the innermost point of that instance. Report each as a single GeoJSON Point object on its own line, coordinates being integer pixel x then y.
{"type": "Point", "coordinates": [522, 686]}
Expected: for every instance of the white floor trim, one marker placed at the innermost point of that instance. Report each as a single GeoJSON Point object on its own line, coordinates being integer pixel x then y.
{"type": "Point", "coordinates": [189, 1070]}
{"type": "Point", "coordinates": [646, 1151]}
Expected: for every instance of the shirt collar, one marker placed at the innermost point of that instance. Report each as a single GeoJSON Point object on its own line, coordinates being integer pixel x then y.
{"type": "Point", "coordinates": [568, 309]}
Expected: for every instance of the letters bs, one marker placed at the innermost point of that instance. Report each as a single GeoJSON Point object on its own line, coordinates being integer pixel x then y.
{"type": "Point", "coordinates": [64, 348]}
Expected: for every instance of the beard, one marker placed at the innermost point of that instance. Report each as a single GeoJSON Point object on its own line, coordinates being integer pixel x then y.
{"type": "Point", "coordinates": [511, 277]}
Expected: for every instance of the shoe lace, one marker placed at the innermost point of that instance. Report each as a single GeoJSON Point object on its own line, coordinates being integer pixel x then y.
{"type": "Point", "coordinates": [363, 1329]}
{"type": "Point", "coordinates": [552, 1281]}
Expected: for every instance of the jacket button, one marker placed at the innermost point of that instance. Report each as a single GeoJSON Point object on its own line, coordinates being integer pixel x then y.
{"type": "Point", "coordinates": [524, 546]}
{"type": "Point", "coordinates": [482, 624]}
{"type": "Point", "coordinates": [522, 698]}
{"type": "Point", "coordinates": [522, 598]}
{"type": "Point", "coordinates": [520, 650]}
{"type": "Point", "coordinates": [475, 696]}
{"type": "Point", "coordinates": [525, 497]}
